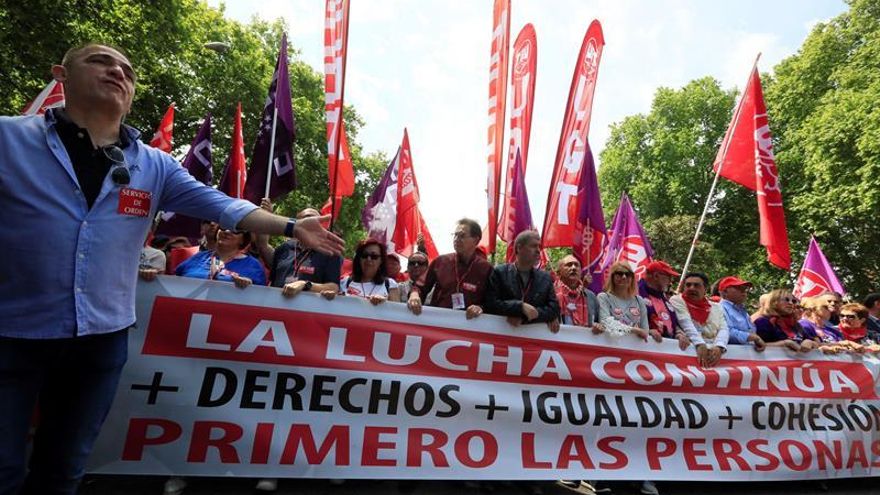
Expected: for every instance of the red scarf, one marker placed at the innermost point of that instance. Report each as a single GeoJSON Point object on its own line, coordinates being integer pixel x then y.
{"type": "Point", "coordinates": [787, 324]}
{"type": "Point", "coordinates": [699, 310]}
{"type": "Point", "coordinates": [853, 334]}
{"type": "Point", "coordinates": [580, 315]}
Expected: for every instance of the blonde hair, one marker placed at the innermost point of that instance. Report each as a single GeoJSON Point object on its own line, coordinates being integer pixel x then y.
{"type": "Point", "coordinates": [609, 281]}
{"type": "Point", "coordinates": [769, 307]}
{"type": "Point", "coordinates": [813, 305]}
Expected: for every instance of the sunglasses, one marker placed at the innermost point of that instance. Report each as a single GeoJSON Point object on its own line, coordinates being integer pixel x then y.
{"type": "Point", "coordinates": [371, 256]}
{"type": "Point", "coordinates": [849, 317]}
{"type": "Point", "coordinates": [119, 173]}
{"type": "Point", "coordinates": [623, 274]}
{"type": "Point", "coordinates": [788, 300]}
{"type": "Point", "coordinates": [417, 263]}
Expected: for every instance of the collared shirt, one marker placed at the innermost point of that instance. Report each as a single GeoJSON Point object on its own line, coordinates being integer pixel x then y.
{"type": "Point", "coordinates": [472, 279]}
{"type": "Point", "coordinates": [75, 268]}
{"type": "Point", "coordinates": [739, 322]}
{"type": "Point", "coordinates": [290, 262]}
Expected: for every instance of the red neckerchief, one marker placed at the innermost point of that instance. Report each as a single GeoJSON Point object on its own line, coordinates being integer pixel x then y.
{"type": "Point", "coordinates": [699, 310]}
{"type": "Point", "coordinates": [853, 334]}
{"type": "Point", "coordinates": [580, 315]}
{"type": "Point", "coordinates": [787, 324]}
{"type": "Point", "coordinates": [663, 325]}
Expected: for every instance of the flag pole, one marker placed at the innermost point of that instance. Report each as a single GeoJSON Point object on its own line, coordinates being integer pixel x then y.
{"type": "Point", "coordinates": [733, 121]}
{"type": "Point", "coordinates": [271, 151]}
{"type": "Point", "coordinates": [345, 7]}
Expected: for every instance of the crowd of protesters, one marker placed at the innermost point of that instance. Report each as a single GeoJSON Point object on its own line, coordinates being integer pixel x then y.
{"type": "Point", "coordinates": [646, 306]}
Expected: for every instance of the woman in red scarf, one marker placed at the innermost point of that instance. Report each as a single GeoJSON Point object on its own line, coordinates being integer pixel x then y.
{"type": "Point", "coordinates": [777, 324]}
{"type": "Point", "coordinates": [853, 323]}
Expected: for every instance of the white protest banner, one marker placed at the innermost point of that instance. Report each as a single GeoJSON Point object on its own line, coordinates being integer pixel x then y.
{"type": "Point", "coordinates": [223, 381]}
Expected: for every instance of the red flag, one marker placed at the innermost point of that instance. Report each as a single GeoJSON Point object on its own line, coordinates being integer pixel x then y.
{"type": "Point", "coordinates": [561, 213]}
{"type": "Point", "coordinates": [340, 168]}
{"type": "Point", "coordinates": [235, 173]}
{"type": "Point", "coordinates": [331, 207]}
{"type": "Point", "coordinates": [746, 157]}
{"type": "Point", "coordinates": [497, 103]}
{"type": "Point", "coordinates": [407, 226]}
{"type": "Point", "coordinates": [522, 84]}
{"type": "Point", "coordinates": [162, 137]}
{"type": "Point", "coordinates": [50, 97]}
{"type": "Point", "coordinates": [429, 241]}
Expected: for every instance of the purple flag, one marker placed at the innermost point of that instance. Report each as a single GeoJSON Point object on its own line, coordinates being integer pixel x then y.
{"type": "Point", "coordinates": [283, 166]}
{"type": "Point", "coordinates": [590, 234]}
{"type": "Point", "coordinates": [628, 242]}
{"type": "Point", "coordinates": [379, 215]}
{"type": "Point", "coordinates": [198, 163]}
{"type": "Point", "coordinates": [817, 274]}
{"type": "Point", "coordinates": [518, 208]}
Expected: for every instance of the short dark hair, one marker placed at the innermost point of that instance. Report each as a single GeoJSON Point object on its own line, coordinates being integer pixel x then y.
{"type": "Point", "coordinates": [77, 49]}
{"type": "Point", "coordinates": [473, 227]}
{"type": "Point", "coordinates": [524, 237]}
{"type": "Point", "coordinates": [700, 275]}
{"type": "Point", "coordinates": [871, 300]}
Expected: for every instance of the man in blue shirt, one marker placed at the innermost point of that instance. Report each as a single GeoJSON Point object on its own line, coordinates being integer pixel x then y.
{"type": "Point", "coordinates": [80, 179]}
{"type": "Point", "coordinates": [734, 292]}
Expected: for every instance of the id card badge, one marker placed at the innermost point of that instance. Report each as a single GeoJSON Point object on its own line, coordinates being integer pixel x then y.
{"type": "Point", "coordinates": [458, 300]}
{"type": "Point", "coordinates": [571, 306]}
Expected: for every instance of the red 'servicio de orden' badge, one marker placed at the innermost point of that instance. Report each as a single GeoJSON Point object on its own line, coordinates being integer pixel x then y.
{"type": "Point", "coordinates": [134, 202]}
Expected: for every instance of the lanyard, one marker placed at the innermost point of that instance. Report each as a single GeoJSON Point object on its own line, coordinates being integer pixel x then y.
{"type": "Point", "coordinates": [525, 292]}
{"type": "Point", "coordinates": [458, 280]}
{"type": "Point", "coordinates": [299, 257]}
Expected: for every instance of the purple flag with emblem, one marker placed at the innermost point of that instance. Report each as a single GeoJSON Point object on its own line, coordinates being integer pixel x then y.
{"type": "Point", "coordinates": [817, 275]}
{"type": "Point", "coordinates": [198, 163]}
{"type": "Point", "coordinates": [590, 234]}
{"type": "Point", "coordinates": [283, 169]}
{"type": "Point", "coordinates": [628, 242]}
{"type": "Point", "coordinates": [379, 215]}
{"type": "Point", "coordinates": [518, 207]}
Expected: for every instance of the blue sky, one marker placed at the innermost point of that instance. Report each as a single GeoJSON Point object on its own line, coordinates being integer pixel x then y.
{"type": "Point", "coordinates": [424, 65]}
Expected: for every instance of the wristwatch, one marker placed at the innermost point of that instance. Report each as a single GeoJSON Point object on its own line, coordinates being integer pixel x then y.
{"type": "Point", "coordinates": [288, 229]}
{"type": "Point", "coordinates": [308, 286]}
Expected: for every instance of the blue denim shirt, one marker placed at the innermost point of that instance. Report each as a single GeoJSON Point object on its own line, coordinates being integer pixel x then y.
{"type": "Point", "coordinates": [70, 270]}
{"type": "Point", "coordinates": [739, 322]}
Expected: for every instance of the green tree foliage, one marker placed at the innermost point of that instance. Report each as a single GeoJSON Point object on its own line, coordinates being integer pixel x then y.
{"type": "Point", "coordinates": [824, 105]}
{"type": "Point", "coordinates": [165, 40]}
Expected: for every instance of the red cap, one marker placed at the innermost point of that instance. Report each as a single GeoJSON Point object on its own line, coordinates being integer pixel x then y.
{"type": "Point", "coordinates": [662, 267]}
{"type": "Point", "coordinates": [731, 282]}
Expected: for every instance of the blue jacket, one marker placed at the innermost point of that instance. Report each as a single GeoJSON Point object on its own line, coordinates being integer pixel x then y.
{"type": "Point", "coordinates": [71, 270]}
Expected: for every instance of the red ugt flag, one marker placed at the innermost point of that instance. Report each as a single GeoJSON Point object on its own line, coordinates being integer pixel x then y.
{"type": "Point", "coordinates": [50, 97]}
{"type": "Point", "coordinates": [746, 157]}
{"type": "Point", "coordinates": [234, 177]}
{"type": "Point", "coordinates": [340, 168]}
{"type": "Point", "coordinates": [407, 227]}
{"type": "Point", "coordinates": [498, 65]}
{"type": "Point", "coordinates": [162, 137]}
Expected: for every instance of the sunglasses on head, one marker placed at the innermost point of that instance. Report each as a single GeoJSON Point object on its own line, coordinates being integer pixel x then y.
{"type": "Point", "coordinates": [371, 256]}
{"type": "Point", "coordinates": [119, 173]}
{"type": "Point", "coordinates": [624, 274]}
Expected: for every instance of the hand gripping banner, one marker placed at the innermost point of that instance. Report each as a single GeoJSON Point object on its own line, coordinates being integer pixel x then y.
{"type": "Point", "coordinates": [229, 382]}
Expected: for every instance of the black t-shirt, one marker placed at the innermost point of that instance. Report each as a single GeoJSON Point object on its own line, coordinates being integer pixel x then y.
{"type": "Point", "coordinates": [291, 262]}
{"type": "Point", "coordinates": [89, 163]}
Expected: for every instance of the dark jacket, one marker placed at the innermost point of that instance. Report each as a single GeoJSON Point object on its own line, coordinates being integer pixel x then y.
{"type": "Point", "coordinates": [504, 296]}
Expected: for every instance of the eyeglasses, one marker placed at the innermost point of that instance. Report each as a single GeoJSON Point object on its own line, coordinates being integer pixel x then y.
{"type": "Point", "coordinates": [371, 256]}
{"type": "Point", "coordinates": [623, 274]}
{"type": "Point", "coordinates": [119, 173]}
{"type": "Point", "coordinates": [459, 235]}
{"type": "Point", "coordinates": [848, 317]}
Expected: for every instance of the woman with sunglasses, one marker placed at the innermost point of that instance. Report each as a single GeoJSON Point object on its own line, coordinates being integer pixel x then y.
{"type": "Point", "coordinates": [227, 262]}
{"type": "Point", "coordinates": [853, 323]}
{"type": "Point", "coordinates": [368, 276]}
{"type": "Point", "coordinates": [777, 323]}
{"type": "Point", "coordinates": [621, 310]}
{"type": "Point", "coordinates": [816, 316]}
